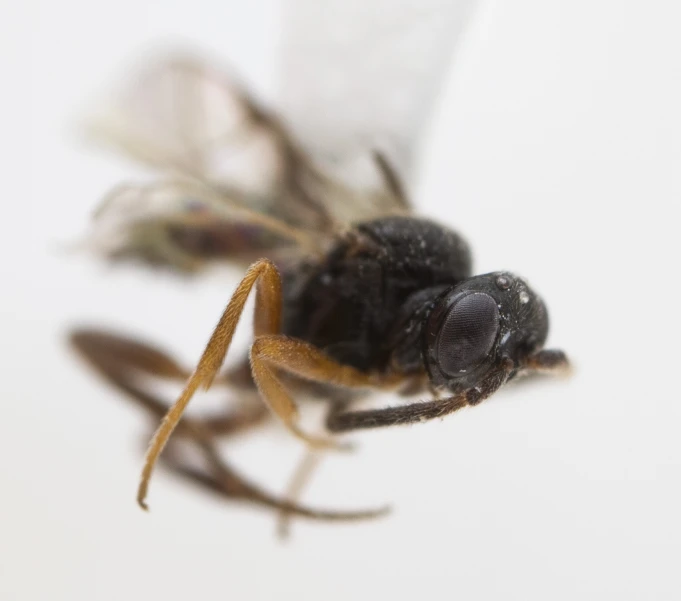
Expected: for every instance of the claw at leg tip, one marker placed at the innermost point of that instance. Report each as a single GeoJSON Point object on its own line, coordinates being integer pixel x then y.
{"type": "Point", "coordinates": [142, 502]}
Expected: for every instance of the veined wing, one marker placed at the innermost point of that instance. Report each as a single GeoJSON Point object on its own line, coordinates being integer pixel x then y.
{"type": "Point", "coordinates": [230, 182]}
{"type": "Point", "coordinates": [183, 116]}
{"type": "Point", "coordinates": [185, 225]}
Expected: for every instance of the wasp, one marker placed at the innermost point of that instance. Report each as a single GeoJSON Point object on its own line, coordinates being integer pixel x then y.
{"type": "Point", "coordinates": [354, 292]}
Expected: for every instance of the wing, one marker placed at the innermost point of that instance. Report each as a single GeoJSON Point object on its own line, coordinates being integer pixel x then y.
{"type": "Point", "coordinates": [366, 73]}
{"type": "Point", "coordinates": [230, 183]}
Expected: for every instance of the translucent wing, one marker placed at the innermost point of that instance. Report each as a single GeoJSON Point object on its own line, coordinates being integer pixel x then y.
{"type": "Point", "coordinates": [230, 182]}
{"type": "Point", "coordinates": [357, 74]}
{"type": "Point", "coordinates": [185, 225]}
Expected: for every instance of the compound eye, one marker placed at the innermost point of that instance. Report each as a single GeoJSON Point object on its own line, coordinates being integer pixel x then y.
{"type": "Point", "coordinates": [468, 333]}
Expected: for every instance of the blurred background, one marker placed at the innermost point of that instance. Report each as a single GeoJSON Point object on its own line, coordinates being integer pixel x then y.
{"type": "Point", "coordinates": [553, 145]}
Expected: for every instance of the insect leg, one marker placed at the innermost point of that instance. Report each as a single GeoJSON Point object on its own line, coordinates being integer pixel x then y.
{"type": "Point", "coordinates": [224, 480]}
{"type": "Point", "coordinates": [549, 361]}
{"type": "Point", "coordinates": [121, 360]}
{"type": "Point", "coordinates": [302, 475]}
{"type": "Point", "coordinates": [394, 416]}
{"type": "Point", "coordinates": [298, 482]}
{"type": "Point", "coordinates": [421, 410]}
{"type": "Point", "coordinates": [393, 182]}
{"type": "Point", "coordinates": [270, 354]}
{"type": "Point", "coordinates": [111, 353]}
{"type": "Point", "coordinates": [267, 320]}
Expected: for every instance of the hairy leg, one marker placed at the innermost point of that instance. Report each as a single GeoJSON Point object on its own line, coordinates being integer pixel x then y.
{"type": "Point", "coordinates": [120, 360]}
{"type": "Point", "coordinates": [272, 356]}
{"type": "Point", "coordinates": [419, 411]}
{"type": "Point", "coordinates": [220, 478]}
{"type": "Point", "coordinates": [267, 319]}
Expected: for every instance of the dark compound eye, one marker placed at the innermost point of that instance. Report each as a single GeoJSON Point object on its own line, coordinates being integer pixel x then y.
{"type": "Point", "coordinates": [468, 333]}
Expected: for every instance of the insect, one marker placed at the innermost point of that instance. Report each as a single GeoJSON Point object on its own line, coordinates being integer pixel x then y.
{"type": "Point", "coordinates": [353, 291]}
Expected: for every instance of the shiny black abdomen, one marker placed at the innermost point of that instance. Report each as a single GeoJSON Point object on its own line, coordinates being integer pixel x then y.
{"type": "Point", "coordinates": [351, 303]}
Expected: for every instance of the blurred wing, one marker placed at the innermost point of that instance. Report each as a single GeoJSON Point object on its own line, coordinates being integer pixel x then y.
{"type": "Point", "coordinates": [360, 74]}
{"type": "Point", "coordinates": [183, 116]}
{"type": "Point", "coordinates": [231, 184]}
{"type": "Point", "coordinates": [185, 225]}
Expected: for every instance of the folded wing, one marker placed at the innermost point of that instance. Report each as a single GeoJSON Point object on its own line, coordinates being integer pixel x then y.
{"type": "Point", "coordinates": [229, 181]}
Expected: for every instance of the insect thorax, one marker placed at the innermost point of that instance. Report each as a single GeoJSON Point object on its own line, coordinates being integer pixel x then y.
{"type": "Point", "coordinates": [364, 301]}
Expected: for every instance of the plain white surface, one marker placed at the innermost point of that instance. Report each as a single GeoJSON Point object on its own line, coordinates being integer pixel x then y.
{"type": "Point", "coordinates": [556, 150]}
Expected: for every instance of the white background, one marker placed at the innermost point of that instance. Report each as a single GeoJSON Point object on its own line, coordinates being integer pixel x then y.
{"type": "Point", "coordinates": [556, 149]}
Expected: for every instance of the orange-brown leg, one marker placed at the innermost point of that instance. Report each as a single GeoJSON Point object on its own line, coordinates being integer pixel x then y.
{"type": "Point", "coordinates": [298, 482]}
{"type": "Point", "coordinates": [267, 319]}
{"type": "Point", "coordinates": [278, 353]}
{"type": "Point", "coordinates": [268, 305]}
{"type": "Point", "coordinates": [109, 352]}
{"type": "Point", "coordinates": [268, 352]}
{"type": "Point", "coordinates": [549, 361]}
{"type": "Point", "coordinates": [218, 477]}
{"type": "Point", "coordinates": [121, 360]}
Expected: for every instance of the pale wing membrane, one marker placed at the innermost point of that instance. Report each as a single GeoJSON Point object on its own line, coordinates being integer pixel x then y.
{"type": "Point", "coordinates": [357, 74]}
{"type": "Point", "coordinates": [180, 115]}
{"type": "Point", "coordinates": [185, 226]}
{"type": "Point", "coordinates": [231, 183]}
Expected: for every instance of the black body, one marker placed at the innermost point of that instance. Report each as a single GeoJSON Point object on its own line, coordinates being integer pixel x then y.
{"type": "Point", "coordinates": [357, 304]}
{"type": "Point", "coordinates": [396, 295]}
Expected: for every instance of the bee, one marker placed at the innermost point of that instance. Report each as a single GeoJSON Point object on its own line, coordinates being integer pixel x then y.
{"type": "Point", "coordinates": [354, 292]}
